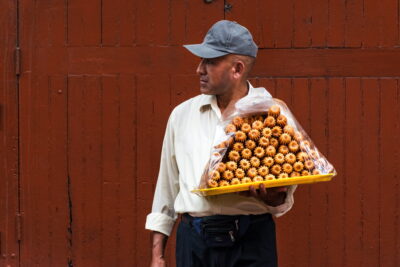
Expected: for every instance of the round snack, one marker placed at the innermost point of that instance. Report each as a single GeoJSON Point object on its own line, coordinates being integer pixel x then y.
{"type": "Point", "coordinates": [212, 183]}
{"type": "Point", "coordinates": [246, 180]}
{"type": "Point", "coordinates": [285, 138]}
{"type": "Point", "coordinates": [259, 118]}
{"type": "Point", "coordinates": [238, 146]}
{"type": "Point", "coordinates": [298, 136]}
{"type": "Point", "coordinates": [263, 170]}
{"type": "Point", "coordinates": [235, 181]}
{"type": "Point", "coordinates": [239, 173]}
{"type": "Point", "coordinates": [215, 175]}
{"type": "Point", "coordinates": [302, 156]}
{"type": "Point", "coordinates": [252, 172]}
{"type": "Point", "coordinates": [313, 154]}
{"type": "Point", "coordinates": [305, 145]}
{"type": "Point", "coordinates": [269, 122]}
{"type": "Point", "coordinates": [231, 165]}
{"type": "Point", "coordinates": [276, 169]}
{"type": "Point", "coordinates": [281, 120]}
{"type": "Point", "coordinates": [298, 166]}
{"type": "Point", "coordinates": [254, 134]}
{"type": "Point", "coordinates": [273, 141]}
{"type": "Point", "coordinates": [267, 132]}
{"type": "Point", "coordinates": [245, 127]}
{"type": "Point", "coordinates": [270, 177]}
{"type": "Point", "coordinates": [290, 158]}
{"type": "Point", "coordinates": [230, 128]}
{"type": "Point", "coordinates": [270, 150]}
{"type": "Point", "coordinates": [289, 130]}
{"type": "Point", "coordinates": [286, 167]}
{"type": "Point", "coordinates": [279, 158]}
{"type": "Point", "coordinates": [246, 153]}
{"type": "Point", "coordinates": [293, 146]}
{"type": "Point", "coordinates": [315, 172]}
{"type": "Point", "coordinates": [264, 141]}
{"type": "Point", "coordinates": [228, 175]}
{"type": "Point", "coordinates": [240, 136]}
{"type": "Point", "coordinates": [283, 175]}
{"type": "Point", "coordinates": [245, 164]}
{"type": "Point", "coordinates": [221, 167]}
{"type": "Point", "coordinates": [276, 131]}
{"type": "Point", "coordinates": [237, 121]}
{"type": "Point", "coordinates": [309, 164]}
{"type": "Point", "coordinates": [268, 161]}
{"type": "Point", "coordinates": [255, 162]}
{"type": "Point", "coordinates": [250, 144]}
{"type": "Point", "coordinates": [259, 152]}
{"type": "Point", "coordinates": [274, 111]}
{"type": "Point", "coordinates": [258, 178]}
{"type": "Point", "coordinates": [258, 125]}
{"type": "Point", "coordinates": [283, 149]}
{"type": "Point", "coordinates": [223, 183]}
{"type": "Point", "coordinates": [234, 155]}
{"type": "Point", "coordinates": [305, 173]}
{"type": "Point", "coordinates": [294, 174]}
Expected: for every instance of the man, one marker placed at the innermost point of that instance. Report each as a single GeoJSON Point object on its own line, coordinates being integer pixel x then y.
{"type": "Point", "coordinates": [224, 230]}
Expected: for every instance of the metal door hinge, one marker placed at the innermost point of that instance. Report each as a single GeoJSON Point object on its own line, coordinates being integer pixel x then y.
{"type": "Point", "coordinates": [18, 223]}
{"type": "Point", "coordinates": [17, 61]}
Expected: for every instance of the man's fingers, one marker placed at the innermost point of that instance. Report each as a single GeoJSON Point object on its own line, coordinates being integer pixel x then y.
{"type": "Point", "coordinates": [263, 191]}
{"type": "Point", "coordinates": [278, 189]}
{"type": "Point", "coordinates": [253, 192]}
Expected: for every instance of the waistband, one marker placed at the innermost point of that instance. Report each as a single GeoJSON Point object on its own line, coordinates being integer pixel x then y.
{"type": "Point", "coordinates": [187, 218]}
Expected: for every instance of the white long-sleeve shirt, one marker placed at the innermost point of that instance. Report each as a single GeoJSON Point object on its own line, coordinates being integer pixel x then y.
{"type": "Point", "coordinates": [186, 150]}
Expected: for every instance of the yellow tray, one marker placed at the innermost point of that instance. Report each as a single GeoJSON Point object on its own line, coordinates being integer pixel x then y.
{"type": "Point", "coordinates": [310, 179]}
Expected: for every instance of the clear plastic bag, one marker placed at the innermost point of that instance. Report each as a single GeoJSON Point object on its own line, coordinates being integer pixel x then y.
{"type": "Point", "coordinates": [284, 134]}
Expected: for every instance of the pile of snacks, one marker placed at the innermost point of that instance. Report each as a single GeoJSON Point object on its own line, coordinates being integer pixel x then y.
{"type": "Point", "coordinates": [263, 147]}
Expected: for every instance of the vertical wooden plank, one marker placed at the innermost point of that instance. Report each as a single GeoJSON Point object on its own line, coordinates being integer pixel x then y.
{"type": "Point", "coordinates": [320, 22]}
{"type": "Point", "coordinates": [284, 24]}
{"type": "Point", "coordinates": [111, 21]}
{"type": "Point", "coordinates": [370, 173]}
{"type": "Point", "coordinates": [84, 23]}
{"type": "Point", "coordinates": [9, 127]}
{"type": "Point", "coordinates": [177, 22]}
{"type": "Point", "coordinates": [269, 84]}
{"type": "Point", "coordinates": [354, 23]}
{"type": "Point", "coordinates": [50, 20]}
{"type": "Point", "coordinates": [86, 167]}
{"type": "Point", "coordinates": [387, 179]}
{"type": "Point", "coordinates": [353, 201]}
{"type": "Point", "coordinates": [57, 202]}
{"type": "Point", "coordinates": [389, 17]}
{"type": "Point", "coordinates": [284, 90]}
{"type": "Point", "coordinates": [397, 162]}
{"type": "Point", "coordinates": [184, 87]}
{"type": "Point", "coordinates": [200, 17]}
{"type": "Point", "coordinates": [302, 23]}
{"type": "Point", "coordinates": [128, 165]}
{"type": "Point", "coordinates": [337, 155]}
{"type": "Point", "coordinates": [336, 24]}
{"type": "Point", "coordinates": [318, 198]}
{"type": "Point", "coordinates": [372, 20]}
{"type": "Point", "coordinates": [266, 11]}
{"type": "Point", "coordinates": [111, 129]}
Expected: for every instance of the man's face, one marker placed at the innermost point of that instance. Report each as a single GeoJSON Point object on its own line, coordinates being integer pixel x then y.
{"type": "Point", "coordinates": [215, 75]}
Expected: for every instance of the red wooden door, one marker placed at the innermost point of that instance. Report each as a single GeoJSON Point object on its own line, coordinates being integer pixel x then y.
{"type": "Point", "coordinates": [336, 64]}
{"type": "Point", "coordinates": [9, 147]}
{"type": "Point", "coordinates": [99, 78]}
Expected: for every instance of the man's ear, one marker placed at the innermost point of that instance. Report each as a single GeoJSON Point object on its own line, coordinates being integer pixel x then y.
{"type": "Point", "coordinates": [238, 69]}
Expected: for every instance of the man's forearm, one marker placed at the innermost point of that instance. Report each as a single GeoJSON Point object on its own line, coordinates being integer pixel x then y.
{"type": "Point", "coordinates": [159, 242]}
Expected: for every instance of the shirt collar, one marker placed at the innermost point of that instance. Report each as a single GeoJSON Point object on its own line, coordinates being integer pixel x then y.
{"type": "Point", "coordinates": [208, 100]}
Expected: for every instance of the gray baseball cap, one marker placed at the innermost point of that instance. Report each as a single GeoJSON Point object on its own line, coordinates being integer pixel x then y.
{"type": "Point", "coordinates": [225, 37]}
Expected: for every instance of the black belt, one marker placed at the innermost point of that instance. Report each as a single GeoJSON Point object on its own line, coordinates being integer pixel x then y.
{"type": "Point", "coordinates": [187, 218]}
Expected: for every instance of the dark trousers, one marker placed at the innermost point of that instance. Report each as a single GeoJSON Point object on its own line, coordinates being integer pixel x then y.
{"type": "Point", "coordinates": [256, 247]}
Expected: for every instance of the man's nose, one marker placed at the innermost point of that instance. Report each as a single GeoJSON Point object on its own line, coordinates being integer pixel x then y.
{"type": "Point", "coordinates": [201, 70]}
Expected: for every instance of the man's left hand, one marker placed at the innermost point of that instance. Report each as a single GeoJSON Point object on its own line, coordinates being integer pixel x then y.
{"type": "Point", "coordinates": [273, 196]}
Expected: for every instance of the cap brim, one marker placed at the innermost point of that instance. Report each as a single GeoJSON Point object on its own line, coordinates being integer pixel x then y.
{"type": "Point", "coordinates": [204, 51]}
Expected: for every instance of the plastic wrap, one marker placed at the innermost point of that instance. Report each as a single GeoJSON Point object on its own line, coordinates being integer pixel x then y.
{"type": "Point", "coordinates": [284, 136]}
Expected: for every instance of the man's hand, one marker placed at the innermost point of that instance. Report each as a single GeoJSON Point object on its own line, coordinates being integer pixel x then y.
{"type": "Point", "coordinates": [159, 242]}
{"type": "Point", "coordinates": [273, 196]}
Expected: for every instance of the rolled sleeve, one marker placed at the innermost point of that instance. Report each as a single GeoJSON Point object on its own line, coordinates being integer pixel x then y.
{"type": "Point", "coordinates": [163, 216]}
{"type": "Point", "coordinates": [286, 206]}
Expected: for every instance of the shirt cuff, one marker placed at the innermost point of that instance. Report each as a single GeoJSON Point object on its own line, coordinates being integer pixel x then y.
{"type": "Point", "coordinates": [286, 206]}
{"type": "Point", "coordinates": [160, 222]}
